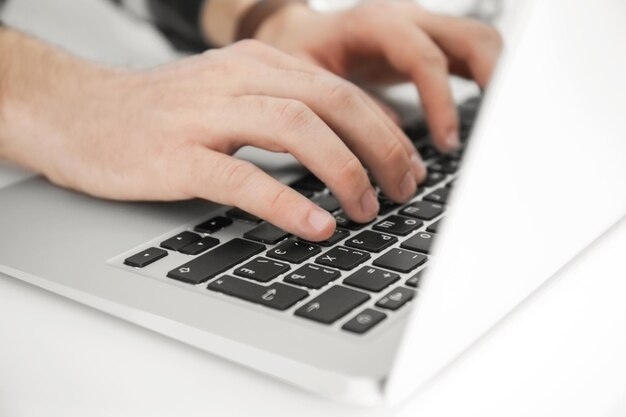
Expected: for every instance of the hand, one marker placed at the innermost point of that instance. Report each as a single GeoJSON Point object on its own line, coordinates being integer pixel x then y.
{"type": "Point", "coordinates": [387, 41]}
{"type": "Point", "coordinates": [168, 133]}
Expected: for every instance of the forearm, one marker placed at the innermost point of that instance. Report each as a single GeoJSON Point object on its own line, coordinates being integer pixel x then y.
{"type": "Point", "coordinates": [37, 84]}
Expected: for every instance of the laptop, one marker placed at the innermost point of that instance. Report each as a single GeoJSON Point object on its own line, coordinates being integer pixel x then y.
{"type": "Point", "coordinates": [373, 314]}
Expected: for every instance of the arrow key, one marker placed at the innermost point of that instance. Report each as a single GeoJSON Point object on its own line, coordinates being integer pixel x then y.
{"type": "Point", "coordinates": [200, 246]}
{"type": "Point", "coordinates": [146, 257]}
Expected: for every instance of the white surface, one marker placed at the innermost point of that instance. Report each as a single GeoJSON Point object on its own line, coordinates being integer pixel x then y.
{"type": "Point", "coordinates": [517, 214]}
{"type": "Point", "coordinates": [562, 354]}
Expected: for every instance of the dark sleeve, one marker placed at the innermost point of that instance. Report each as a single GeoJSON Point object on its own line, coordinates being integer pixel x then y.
{"type": "Point", "coordinates": [179, 21]}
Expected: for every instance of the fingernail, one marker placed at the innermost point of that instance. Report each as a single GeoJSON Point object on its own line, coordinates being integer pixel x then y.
{"type": "Point", "coordinates": [419, 168]}
{"type": "Point", "coordinates": [369, 203]}
{"type": "Point", "coordinates": [452, 141]}
{"type": "Point", "coordinates": [408, 185]}
{"type": "Point", "coordinates": [320, 220]}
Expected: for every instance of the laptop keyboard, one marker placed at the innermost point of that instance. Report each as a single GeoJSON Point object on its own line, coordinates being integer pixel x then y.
{"type": "Point", "coordinates": [362, 276]}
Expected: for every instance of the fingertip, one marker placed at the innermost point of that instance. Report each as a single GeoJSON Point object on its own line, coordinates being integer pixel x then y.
{"type": "Point", "coordinates": [419, 168]}
{"type": "Point", "coordinates": [320, 225]}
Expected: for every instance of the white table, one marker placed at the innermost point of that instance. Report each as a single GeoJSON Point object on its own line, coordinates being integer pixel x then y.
{"type": "Point", "coordinates": [561, 354]}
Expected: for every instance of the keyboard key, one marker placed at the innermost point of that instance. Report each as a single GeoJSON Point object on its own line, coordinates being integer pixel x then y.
{"type": "Point", "coordinates": [312, 276]}
{"type": "Point", "coordinates": [423, 210]}
{"type": "Point", "coordinates": [440, 195]}
{"type": "Point", "coordinates": [309, 182]}
{"type": "Point", "coordinates": [398, 225]}
{"type": "Point", "coordinates": [427, 151]}
{"type": "Point", "coordinates": [420, 242]}
{"type": "Point", "coordinates": [343, 258]}
{"type": "Point", "coordinates": [266, 233]}
{"type": "Point", "coordinates": [262, 269]}
{"type": "Point", "coordinates": [445, 165]}
{"type": "Point", "coordinates": [333, 304]}
{"type": "Point", "coordinates": [386, 206]}
{"type": "Point", "coordinates": [238, 214]}
{"type": "Point", "coordinates": [294, 251]}
{"type": "Point", "coordinates": [371, 279]}
{"type": "Point", "coordinates": [434, 227]}
{"type": "Point", "coordinates": [337, 237]}
{"type": "Point", "coordinates": [215, 262]}
{"type": "Point", "coordinates": [433, 178]}
{"type": "Point", "coordinates": [180, 241]}
{"type": "Point", "coordinates": [400, 260]}
{"type": "Point", "coordinates": [371, 241]}
{"type": "Point", "coordinates": [146, 257]}
{"type": "Point", "coordinates": [364, 321]}
{"type": "Point", "coordinates": [343, 221]}
{"type": "Point", "coordinates": [213, 225]}
{"type": "Point", "coordinates": [306, 193]}
{"type": "Point", "coordinates": [414, 281]}
{"type": "Point", "coordinates": [200, 246]}
{"type": "Point", "coordinates": [396, 298]}
{"type": "Point", "coordinates": [327, 202]}
{"type": "Point", "coordinates": [277, 296]}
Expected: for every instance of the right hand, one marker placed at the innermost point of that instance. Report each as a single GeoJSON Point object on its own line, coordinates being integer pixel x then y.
{"type": "Point", "coordinates": [169, 133]}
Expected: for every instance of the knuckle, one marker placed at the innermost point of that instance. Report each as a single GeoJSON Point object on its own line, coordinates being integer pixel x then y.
{"type": "Point", "coordinates": [433, 57]}
{"type": "Point", "coordinates": [342, 94]}
{"type": "Point", "coordinates": [278, 200]}
{"type": "Point", "coordinates": [248, 45]}
{"type": "Point", "coordinates": [351, 173]}
{"type": "Point", "coordinates": [394, 155]}
{"type": "Point", "coordinates": [236, 174]}
{"type": "Point", "coordinates": [293, 114]}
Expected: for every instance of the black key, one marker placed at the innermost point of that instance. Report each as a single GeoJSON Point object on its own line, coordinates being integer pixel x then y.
{"type": "Point", "coordinates": [337, 236]}
{"type": "Point", "coordinates": [312, 276]}
{"type": "Point", "coordinates": [414, 281]}
{"type": "Point", "coordinates": [428, 151]}
{"type": "Point", "coordinates": [396, 298]}
{"type": "Point", "coordinates": [266, 233]}
{"type": "Point", "coordinates": [386, 206]}
{"type": "Point", "coordinates": [327, 202]}
{"type": "Point", "coordinates": [433, 178]}
{"type": "Point", "coordinates": [262, 269]}
{"type": "Point", "coordinates": [200, 246]}
{"type": "Point", "coordinates": [294, 251]}
{"type": "Point", "coordinates": [238, 214]}
{"type": "Point", "coordinates": [445, 165]}
{"type": "Point", "coordinates": [364, 321]}
{"type": "Point", "coordinates": [371, 279]}
{"type": "Point", "coordinates": [333, 304]}
{"type": "Point", "coordinates": [343, 258]}
{"type": "Point", "coordinates": [180, 241]}
{"type": "Point", "coordinates": [309, 182]}
{"type": "Point", "coordinates": [343, 221]}
{"type": "Point", "coordinates": [440, 195]}
{"type": "Point", "coordinates": [398, 225]}
{"type": "Point", "coordinates": [419, 242]}
{"type": "Point", "coordinates": [213, 225]}
{"type": "Point", "coordinates": [216, 261]}
{"type": "Point", "coordinates": [146, 257]}
{"type": "Point", "coordinates": [277, 296]}
{"type": "Point", "coordinates": [423, 210]}
{"type": "Point", "coordinates": [434, 227]}
{"type": "Point", "coordinates": [371, 241]}
{"type": "Point", "coordinates": [400, 260]}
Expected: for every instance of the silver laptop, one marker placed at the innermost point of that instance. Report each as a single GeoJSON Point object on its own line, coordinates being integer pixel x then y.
{"type": "Point", "coordinates": [375, 312]}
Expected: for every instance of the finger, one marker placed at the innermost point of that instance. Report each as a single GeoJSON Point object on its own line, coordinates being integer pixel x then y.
{"type": "Point", "coordinates": [422, 60]}
{"type": "Point", "coordinates": [340, 104]}
{"type": "Point", "coordinates": [277, 58]}
{"type": "Point", "coordinates": [287, 125]}
{"type": "Point", "coordinates": [223, 179]}
{"type": "Point", "coordinates": [473, 45]}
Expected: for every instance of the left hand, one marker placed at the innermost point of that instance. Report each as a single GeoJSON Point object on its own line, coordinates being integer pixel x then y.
{"type": "Point", "coordinates": [390, 41]}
